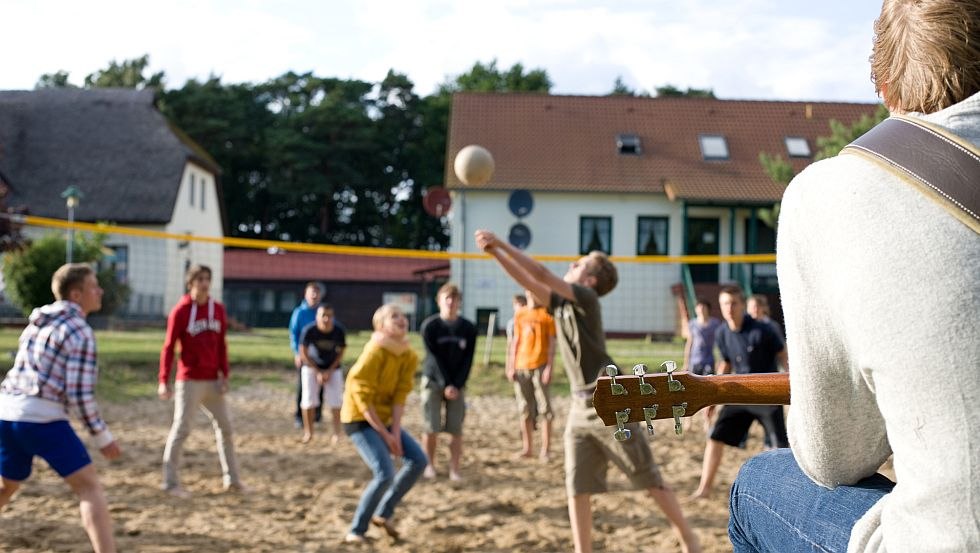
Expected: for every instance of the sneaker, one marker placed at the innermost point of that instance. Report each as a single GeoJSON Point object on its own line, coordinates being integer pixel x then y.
{"type": "Point", "coordinates": [429, 473]}
{"type": "Point", "coordinates": [455, 476]}
{"type": "Point", "coordinates": [355, 539]}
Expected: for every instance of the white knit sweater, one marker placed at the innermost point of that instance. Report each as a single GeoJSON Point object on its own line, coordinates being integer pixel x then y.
{"type": "Point", "coordinates": [881, 294]}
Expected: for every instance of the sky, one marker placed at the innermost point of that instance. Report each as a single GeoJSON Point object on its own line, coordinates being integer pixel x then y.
{"type": "Point", "coordinates": [742, 49]}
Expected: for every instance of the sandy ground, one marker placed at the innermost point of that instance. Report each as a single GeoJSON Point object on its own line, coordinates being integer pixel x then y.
{"type": "Point", "coordinates": [303, 496]}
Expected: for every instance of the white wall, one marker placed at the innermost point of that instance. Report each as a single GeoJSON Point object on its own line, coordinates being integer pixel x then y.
{"type": "Point", "coordinates": [641, 302]}
{"type": "Point", "coordinates": [191, 217]}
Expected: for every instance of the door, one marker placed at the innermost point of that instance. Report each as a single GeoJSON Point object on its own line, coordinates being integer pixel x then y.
{"type": "Point", "coordinates": [703, 238]}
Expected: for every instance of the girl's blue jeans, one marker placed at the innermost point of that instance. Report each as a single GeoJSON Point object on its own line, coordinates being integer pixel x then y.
{"type": "Point", "coordinates": [386, 488]}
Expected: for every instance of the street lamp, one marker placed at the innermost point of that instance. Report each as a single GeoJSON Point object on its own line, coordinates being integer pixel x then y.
{"type": "Point", "coordinates": [71, 195]}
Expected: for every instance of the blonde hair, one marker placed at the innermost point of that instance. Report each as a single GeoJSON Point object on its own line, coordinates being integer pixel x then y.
{"type": "Point", "coordinates": [68, 277]}
{"type": "Point", "coordinates": [449, 289]}
{"type": "Point", "coordinates": [605, 273]}
{"type": "Point", "coordinates": [380, 314]}
{"type": "Point", "coordinates": [926, 54]}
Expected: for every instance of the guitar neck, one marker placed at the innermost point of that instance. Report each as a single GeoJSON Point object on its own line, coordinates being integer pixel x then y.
{"type": "Point", "coordinates": [683, 394]}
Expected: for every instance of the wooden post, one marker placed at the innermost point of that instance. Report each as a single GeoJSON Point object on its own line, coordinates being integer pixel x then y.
{"type": "Point", "coordinates": [491, 325]}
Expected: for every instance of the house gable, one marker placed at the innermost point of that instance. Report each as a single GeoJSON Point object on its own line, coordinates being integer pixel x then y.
{"type": "Point", "coordinates": [113, 144]}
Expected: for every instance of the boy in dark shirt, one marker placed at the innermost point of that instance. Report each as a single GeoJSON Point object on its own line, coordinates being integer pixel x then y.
{"type": "Point", "coordinates": [321, 350]}
{"type": "Point", "coordinates": [746, 346]}
{"type": "Point", "coordinates": [450, 342]}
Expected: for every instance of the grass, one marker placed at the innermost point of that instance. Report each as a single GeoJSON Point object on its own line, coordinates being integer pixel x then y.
{"type": "Point", "coordinates": [128, 360]}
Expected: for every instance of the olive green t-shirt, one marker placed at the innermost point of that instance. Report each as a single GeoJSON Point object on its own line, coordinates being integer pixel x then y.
{"type": "Point", "coordinates": [581, 340]}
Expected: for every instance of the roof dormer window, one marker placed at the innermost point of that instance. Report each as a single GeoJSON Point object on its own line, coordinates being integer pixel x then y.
{"type": "Point", "coordinates": [628, 144]}
{"type": "Point", "coordinates": [797, 146]}
{"type": "Point", "coordinates": [714, 147]}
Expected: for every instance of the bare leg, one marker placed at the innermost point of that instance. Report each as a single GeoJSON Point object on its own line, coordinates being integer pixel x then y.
{"type": "Point", "coordinates": [429, 443]}
{"type": "Point", "coordinates": [94, 508]}
{"type": "Point", "coordinates": [580, 515]}
{"type": "Point", "coordinates": [667, 501]}
{"type": "Point", "coordinates": [7, 489]}
{"type": "Point", "coordinates": [546, 440]}
{"type": "Point", "coordinates": [308, 416]}
{"type": "Point", "coordinates": [709, 468]}
{"type": "Point", "coordinates": [455, 455]}
{"type": "Point", "coordinates": [337, 428]}
{"type": "Point", "coordinates": [527, 437]}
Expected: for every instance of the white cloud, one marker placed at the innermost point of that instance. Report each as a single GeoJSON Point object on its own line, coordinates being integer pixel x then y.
{"type": "Point", "coordinates": [741, 49]}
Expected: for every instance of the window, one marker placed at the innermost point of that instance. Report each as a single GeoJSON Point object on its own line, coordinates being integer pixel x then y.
{"type": "Point", "coordinates": [202, 194]}
{"type": "Point", "coordinates": [287, 301]}
{"type": "Point", "coordinates": [797, 146]}
{"type": "Point", "coordinates": [118, 261]}
{"type": "Point", "coordinates": [267, 301]}
{"type": "Point", "coordinates": [628, 144]}
{"type": "Point", "coordinates": [651, 236]}
{"type": "Point", "coordinates": [713, 147]}
{"type": "Point", "coordinates": [192, 189]}
{"type": "Point", "coordinates": [595, 233]}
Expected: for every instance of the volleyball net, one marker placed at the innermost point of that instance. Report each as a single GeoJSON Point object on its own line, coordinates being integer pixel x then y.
{"type": "Point", "coordinates": [262, 281]}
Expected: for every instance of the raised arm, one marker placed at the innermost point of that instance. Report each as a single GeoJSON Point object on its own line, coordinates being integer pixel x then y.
{"type": "Point", "coordinates": [527, 272]}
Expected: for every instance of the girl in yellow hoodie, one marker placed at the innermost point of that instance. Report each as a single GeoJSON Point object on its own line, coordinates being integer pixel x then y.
{"type": "Point", "coordinates": [374, 401]}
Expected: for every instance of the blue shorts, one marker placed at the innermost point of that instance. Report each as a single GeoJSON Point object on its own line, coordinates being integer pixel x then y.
{"type": "Point", "coordinates": [55, 442]}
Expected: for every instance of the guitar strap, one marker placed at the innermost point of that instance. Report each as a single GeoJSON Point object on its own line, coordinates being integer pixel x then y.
{"type": "Point", "coordinates": [939, 164]}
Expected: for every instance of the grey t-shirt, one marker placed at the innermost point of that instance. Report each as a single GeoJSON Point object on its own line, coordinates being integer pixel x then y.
{"type": "Point", "coordinates": [581, 339]}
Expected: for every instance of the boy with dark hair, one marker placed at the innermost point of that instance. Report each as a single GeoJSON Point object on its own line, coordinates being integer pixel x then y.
{"type": "Point", "coordinates": [199, 324]}
{"type": "Point", "coordinates": [54, 371]}
{"type": "Point", "coordinates": [302, 315]}
{"type": "Point", "coordinates": [321, 349]}
{"type": "Point", "coordinates": [747, 346]}
{"type": "Point", "coordinates": [589, 446]}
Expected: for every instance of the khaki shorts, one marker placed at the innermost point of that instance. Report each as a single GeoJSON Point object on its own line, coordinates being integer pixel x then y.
{"type": "Point", "coordinates": [590, 447]}
{"type": "Point", "coordinates": [433, 401]}
{"type": "Point", "coordinates": [533, 398]}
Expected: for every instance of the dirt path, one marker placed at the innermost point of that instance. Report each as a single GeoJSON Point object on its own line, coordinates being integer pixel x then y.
{"type": "Point", "coordinates": [304, 496]}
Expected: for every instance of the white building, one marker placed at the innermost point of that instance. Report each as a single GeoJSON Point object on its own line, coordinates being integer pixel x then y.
{"type": "Point", "coordinates": [629, 176]}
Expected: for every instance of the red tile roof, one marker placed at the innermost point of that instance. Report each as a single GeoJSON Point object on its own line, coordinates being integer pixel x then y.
{"type": "Point", "coordinates": [568, 143]}
{"type": "Point", "coordinates": [246, 264]}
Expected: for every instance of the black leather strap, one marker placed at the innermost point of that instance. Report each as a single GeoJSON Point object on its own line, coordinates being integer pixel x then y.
{"type": "Point", "coordinates": [943, 164]}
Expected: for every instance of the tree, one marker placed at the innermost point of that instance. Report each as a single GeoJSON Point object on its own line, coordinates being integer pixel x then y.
{"type": "Point", "coordinates": [670, 90]}
{"type": "Point", "coordinates": [841, 135]}
{"type": "Point", "coordinates": [58, 79]}
{"type": "Point", "coordinates": [487, 78]}
{"type": "Point", "coordinates": [127, 74]}
{"type": "Point", "coordinates": [27, 272]}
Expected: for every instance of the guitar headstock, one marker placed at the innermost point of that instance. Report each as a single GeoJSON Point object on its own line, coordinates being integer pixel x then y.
{"type": "Point", "coordinates": [646, 397]}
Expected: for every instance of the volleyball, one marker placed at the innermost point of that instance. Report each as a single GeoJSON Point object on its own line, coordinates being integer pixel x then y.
{"type": "Point", "coordinates": [473, 165]}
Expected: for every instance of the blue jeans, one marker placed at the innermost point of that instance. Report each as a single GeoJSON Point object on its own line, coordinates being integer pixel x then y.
{"type": "Point", "coordinates": [386, 489]}
{"type": "Point", "coordinates": [775, 507]}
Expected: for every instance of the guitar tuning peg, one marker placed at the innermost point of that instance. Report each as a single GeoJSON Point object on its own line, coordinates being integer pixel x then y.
{"type": "Point", "coordinates": [650, 413]}
{"type": "Point", "coordinates": [672, 385]}
{"type": "Point", "coordinates": [616, 388]}
{"type": "Point", "coordinates": [678, 412]}
{"type": "Point", "coordinates": [645, 387]}
{"type": "Point", "coordinates": [622, 433]}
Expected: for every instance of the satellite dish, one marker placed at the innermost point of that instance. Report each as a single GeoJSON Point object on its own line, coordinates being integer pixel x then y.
{"type": "Point", "coordinates": [520, 203]}
{"type": "Point", "coordinates": [436, 201]}
{"type": "Point", "coordinates": [519, 236]}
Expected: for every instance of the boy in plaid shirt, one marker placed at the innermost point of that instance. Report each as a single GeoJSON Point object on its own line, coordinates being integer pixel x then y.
{"type": "Point", "coordinates": [55, 371]}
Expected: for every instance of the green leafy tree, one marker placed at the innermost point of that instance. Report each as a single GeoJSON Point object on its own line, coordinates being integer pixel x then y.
{"type": "Point", "coordinates": [125, 74]}
{"type": "Point", "coordinates": [27, 271]}
{"type": "Point", "coordinates": [670, 90]}
{"type": "Point", "coordinates": [487, 78]}
{"type": "Point", "coordinates": [58, 79]}
{"type": "Point", "coordinates": [841, 135]}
